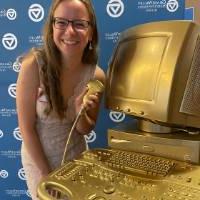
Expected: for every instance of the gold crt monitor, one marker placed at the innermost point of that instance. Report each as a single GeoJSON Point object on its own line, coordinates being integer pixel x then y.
{"type": "Point", "coordinates": [154, 76]}
{"type": "Point", "coordinates": [154, 73]}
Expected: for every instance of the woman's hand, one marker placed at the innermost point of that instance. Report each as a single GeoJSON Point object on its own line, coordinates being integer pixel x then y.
{"type": "Point", "coordinates": [89, 102]}
{"type": "Point", "coordinates": [90, 105]}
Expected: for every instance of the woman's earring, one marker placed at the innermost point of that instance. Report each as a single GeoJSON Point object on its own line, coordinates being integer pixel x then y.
{"type": "Point", "coordinates": [90, 45]}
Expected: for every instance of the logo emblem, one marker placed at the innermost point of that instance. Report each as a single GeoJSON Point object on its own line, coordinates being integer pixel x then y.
{"type": "Point", "coordinates": [91, 137]}
{"type": "Point", "coordinates": [172, 5]}
{"type": "Point", "coordinates": [17, 134]}
{"type": "Point", "coordinates": [1, 133]}
{"type": "Point", "coordinates": [9, 41]}
{"type": "Point", "coordinates": [3, 174]}
{"type": "Point", "coordinates": [11, 14]}
{"type": "Point", "coordinates": [17, 64]}
{"type": "Point", "coordinates": [28, 193]}
{"type": "Point", "coordinates": [117, 116]}
{"type": "Point", "coordinates": [12, 90]}
{"type": "Point", "coordinates": [21, 174]}
{"type": "Point", "coordinates": [36, 12]}
{"type": "Point", "coordinates": [115, 8]}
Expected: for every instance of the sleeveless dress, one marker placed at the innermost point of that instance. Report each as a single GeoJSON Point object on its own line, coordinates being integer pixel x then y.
{"type": "Point", "coordinates": [53, 133]}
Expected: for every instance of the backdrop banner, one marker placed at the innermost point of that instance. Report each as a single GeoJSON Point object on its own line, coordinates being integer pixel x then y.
{"type": "Point", "coordinates": [21, 25]}
{"type": "Point", "coordinates": [192, 10]}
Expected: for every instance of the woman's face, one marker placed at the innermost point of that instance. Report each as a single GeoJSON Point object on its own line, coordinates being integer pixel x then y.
{"type": "Point", "coordinates": [71, 37]}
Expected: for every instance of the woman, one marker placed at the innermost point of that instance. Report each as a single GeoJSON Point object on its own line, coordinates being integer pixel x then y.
{"type": "Point", "coordinates": [51, 86]}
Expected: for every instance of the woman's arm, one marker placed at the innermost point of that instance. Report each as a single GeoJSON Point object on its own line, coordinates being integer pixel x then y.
{"type": "Point", "coordinates": [88, 119]}
{"type": "Point", "coordinates": [27, 91]}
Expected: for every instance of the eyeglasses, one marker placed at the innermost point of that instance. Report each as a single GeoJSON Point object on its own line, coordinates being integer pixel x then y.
{"type": "Point", "coordinates": [77, 24]}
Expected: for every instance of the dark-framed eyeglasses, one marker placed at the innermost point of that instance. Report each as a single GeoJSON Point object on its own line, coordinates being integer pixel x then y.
{"type": "Point", "coordinates": [77, 24]}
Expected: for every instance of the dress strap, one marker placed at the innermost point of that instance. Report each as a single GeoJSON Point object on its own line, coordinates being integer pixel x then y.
{"type": "Point", "coordinates": [90, 73]}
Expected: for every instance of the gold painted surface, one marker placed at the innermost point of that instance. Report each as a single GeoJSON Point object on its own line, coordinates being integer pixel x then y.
{"type": "Point", "coordinates": [153, 73]}
{"type": "Point", "coordinates": [94, 86]}
{"type": "Point", "coordinates": [103, 174]}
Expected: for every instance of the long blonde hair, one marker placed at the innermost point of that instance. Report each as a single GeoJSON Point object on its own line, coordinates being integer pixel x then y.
{"type": "Point", "coordinates": [51, 71]}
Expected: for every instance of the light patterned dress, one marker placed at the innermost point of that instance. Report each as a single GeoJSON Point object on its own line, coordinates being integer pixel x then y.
{"type": "Point", "coordinates": [53, 133]}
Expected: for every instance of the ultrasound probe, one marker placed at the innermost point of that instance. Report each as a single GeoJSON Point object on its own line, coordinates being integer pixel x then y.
{"type": "Point", "coordinates": [94, 86]}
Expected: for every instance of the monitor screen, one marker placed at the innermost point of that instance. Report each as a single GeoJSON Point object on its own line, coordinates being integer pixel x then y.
{"type": "Point", "coordinates": [135, 85]}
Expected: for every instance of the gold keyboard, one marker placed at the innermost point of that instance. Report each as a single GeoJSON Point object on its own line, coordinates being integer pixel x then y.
{"type": "Point", "coordinates": [103, 174]}
{"type": "Point", "coordinates": [131, 161]}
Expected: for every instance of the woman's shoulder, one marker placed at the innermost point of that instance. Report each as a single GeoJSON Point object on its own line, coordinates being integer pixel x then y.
{"type": "Point", "coordinates": [33, 59]}
{"type": "Point", "coordinates": [99, 74]}
{"type": "Point", "coordinates": [29, 73]}
{"type": "Point", "coordinates": [29, 65]}
{"type": "Point", "coordinates": [29, 60]}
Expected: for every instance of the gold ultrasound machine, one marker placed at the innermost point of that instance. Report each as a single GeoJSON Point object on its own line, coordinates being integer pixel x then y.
{"type": "Point", "coordinates": [154, 76]}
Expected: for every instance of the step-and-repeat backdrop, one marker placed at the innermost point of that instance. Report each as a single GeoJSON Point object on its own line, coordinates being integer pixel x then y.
{"type": "Point", "coordinates": [20, 28]}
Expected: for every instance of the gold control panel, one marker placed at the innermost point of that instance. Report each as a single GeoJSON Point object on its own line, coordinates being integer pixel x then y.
{"type": "Point", "coordinates": [110, 174]}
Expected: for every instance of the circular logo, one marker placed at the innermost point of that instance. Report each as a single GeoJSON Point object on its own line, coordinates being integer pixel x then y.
{"type": "Point", "coordinates": [17, 64]}
{"type": "Point", "coordinates": [12, 90]}
{"type": "Point", "coordinates": [117, 116]}
{"type": "Point", "coordinates": [115, 8]}
{"type": "Point", "coordinates": [28, 193]}
{"type": "Point", "coordinates": [11, 14]}
{"type": "Point", "coordinates": [17, 134]}
{"type": "Point", "coordinates": [91, 137]}
{"type": "Point", "coordinates": [9, 41]}
{"type": "Point", "coordinates": [1, 133]}
{"type": "Point", "coordinates": [3, 174]}
{"type": "Point", "coordinates": [36, 12]}
{"type": "Point", "coordinates": [172, 5]}
{"type": "Point", "coordinates": [21, 174]}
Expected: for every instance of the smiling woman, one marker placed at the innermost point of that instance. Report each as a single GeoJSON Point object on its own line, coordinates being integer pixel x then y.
{"type": "Point", "coordinates": [71, 37]}
{"type": "Point", "coordinates": [51, 86]}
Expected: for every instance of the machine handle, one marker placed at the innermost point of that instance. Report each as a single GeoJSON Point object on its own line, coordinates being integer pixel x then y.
{"type": "Point", "coordinates": [44, 195]}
